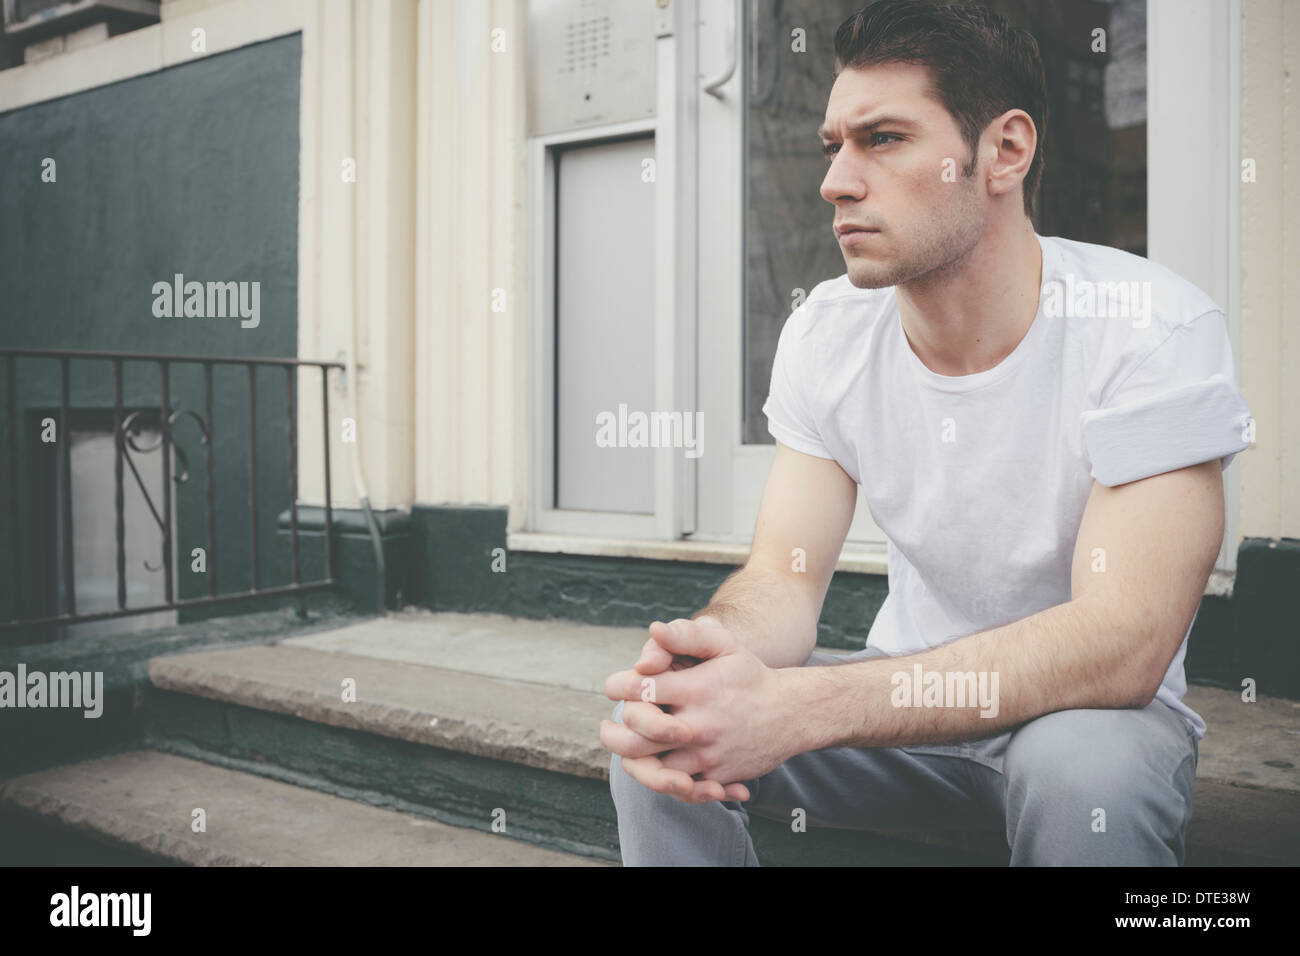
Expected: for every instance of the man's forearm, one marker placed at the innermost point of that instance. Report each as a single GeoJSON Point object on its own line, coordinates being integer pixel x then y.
{"type": "Point", "coordinates": [767, 612]}
{"type": "Point", "coordinates": [1062, 658]}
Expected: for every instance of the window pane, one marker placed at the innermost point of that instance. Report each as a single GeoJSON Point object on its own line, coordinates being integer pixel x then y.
{"type": "Point", "coordinates": [1094, 177]}
{"type": "Point", "coordinates": [604, 326]}
{"type": "Point", "coordinates": [788, 240]}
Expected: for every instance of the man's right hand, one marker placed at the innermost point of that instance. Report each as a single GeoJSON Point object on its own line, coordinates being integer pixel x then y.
{"type": "Point", "coordinates": [648, 730]}
{"type": "Point", "coordinates": [655, 659]}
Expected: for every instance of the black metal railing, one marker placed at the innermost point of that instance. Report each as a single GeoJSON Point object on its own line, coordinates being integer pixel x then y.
{"type": "Point", "coordinates": [126, 430]}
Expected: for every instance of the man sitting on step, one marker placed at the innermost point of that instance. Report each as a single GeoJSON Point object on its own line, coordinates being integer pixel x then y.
{"type": "Point", "coordinates": [1039, 427]}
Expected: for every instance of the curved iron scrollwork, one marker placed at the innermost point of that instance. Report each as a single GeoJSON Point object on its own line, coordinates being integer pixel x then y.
{"type": "Point", "coordinates": [127, 441]}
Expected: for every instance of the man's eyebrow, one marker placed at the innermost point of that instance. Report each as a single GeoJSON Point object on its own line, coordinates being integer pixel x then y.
{"type": "Point", "coordinates": [866, 125]}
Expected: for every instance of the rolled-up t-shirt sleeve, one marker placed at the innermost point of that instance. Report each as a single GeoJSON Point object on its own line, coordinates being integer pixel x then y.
{"type": "Point", "coordinates": [1179, 406]}
{"type": "Point", "coordinates": [786, 408]}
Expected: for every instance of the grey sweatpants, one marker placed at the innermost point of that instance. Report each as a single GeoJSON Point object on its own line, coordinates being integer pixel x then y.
{"type": "Point", "coordinates": [1050, 785]}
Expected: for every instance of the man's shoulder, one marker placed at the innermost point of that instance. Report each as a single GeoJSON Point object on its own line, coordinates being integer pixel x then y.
{"type": "Point", "coordinates": [1095, 281]}
{"type": "Point", "coordinates": [1120, 309]}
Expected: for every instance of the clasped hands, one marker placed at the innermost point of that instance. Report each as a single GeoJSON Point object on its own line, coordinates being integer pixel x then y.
{"type": "Point", "coordinates": [728, 720]}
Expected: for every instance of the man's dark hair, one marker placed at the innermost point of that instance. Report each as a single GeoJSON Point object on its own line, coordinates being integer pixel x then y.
{"type": "Point", "coordinates": [980, 65]}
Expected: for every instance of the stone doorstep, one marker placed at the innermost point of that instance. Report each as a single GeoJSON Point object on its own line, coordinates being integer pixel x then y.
{"type": "Point", "coordinates": [144, 800]}
{"type": "Point", "coordinates": [529, 692]}
{"type": "Point", "coordinates": [537, 725]}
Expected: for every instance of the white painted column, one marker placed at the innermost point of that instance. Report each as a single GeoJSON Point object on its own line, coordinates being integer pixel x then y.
{"type": "Point", "coordinates": [469, 330]}
{"type": "Point", "coordinates": [357, 241]}
{"type": "Point", "coordinates": [1270, 268]}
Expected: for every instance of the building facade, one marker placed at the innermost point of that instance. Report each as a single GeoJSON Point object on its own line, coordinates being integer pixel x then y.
{"type": "Point", "coordinates": [420, 189]}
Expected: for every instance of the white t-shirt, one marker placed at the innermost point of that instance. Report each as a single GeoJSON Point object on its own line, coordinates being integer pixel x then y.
{"type": "Point", "coordinates": [980, 481]}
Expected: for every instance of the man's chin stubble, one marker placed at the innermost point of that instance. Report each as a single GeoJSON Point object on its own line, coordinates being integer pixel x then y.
{"type": "Point", "coordinates": [869, 278]}
{"type": "Point", "coordinates": [936, 265]}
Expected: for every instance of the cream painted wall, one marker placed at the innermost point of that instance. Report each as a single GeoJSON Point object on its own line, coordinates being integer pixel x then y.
{"type": "Point", "coordinates": [171, 9]}
{"type": "Point", "coordinates": [356, 235]}
{"type": "Point", "coordinates": [1270, 268]}
{"type": "Point", "coordinates": [429, 100]}
{"type": "Point", "coordinates": [470, 359]}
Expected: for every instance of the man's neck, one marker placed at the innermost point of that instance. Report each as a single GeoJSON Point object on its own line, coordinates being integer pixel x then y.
{"type": "Point", "coordinates": [970, 316]}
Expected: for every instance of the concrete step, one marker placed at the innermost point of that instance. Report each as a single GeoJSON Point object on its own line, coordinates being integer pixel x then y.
{"type": "Point", "coordinates": [144, 801]}
{"type": "Point", "coordinates": [456, 712]}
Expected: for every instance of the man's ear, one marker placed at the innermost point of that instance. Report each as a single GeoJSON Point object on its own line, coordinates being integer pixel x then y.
{"type": "Point", "coordinates": [1014, 140]}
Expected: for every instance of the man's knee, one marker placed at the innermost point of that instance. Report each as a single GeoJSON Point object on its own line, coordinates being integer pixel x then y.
{"type": "Point", "coordinates": [1072, 777]}
{"type": "Point", "coordinates": [1111, 753]}
{"type": "Point", "coordinates": [621, 785]}
{"type": "Point", "coordinates": [616, 762]}
{"type": "Point", "coordinates": [1071, 751]}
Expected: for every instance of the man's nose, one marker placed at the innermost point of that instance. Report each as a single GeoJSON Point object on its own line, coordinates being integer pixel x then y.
{"type": "Point", "coordinates": [842, 184]}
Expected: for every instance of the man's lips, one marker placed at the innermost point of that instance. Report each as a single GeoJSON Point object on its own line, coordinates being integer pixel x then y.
{"type": "Point", "coordinates": [849, 235]}
{"type": "Point", "coordinates": [848, 229]}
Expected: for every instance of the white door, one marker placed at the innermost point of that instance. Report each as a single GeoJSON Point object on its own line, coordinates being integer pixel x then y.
{"type": "Point", "coordinates": [611, 269]}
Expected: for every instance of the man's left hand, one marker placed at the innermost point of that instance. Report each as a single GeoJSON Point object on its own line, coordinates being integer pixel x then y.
{"type": "Point", "coordinates": [741, 720]}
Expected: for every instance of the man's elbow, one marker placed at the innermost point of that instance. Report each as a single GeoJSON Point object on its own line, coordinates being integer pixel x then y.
{"type": "Point", "coordinates": [1125, 679]}
{"type": "Point", "coordinates": [1144, 651]}
{"type": "Point", "coordinates": [1144, 695]}
{"type": "Point", "coordinates": [1150, 675]}
{"type": "Point", "coordinates": [808, 644]}
{"type": "Point", "coordinates": [1131, 687]}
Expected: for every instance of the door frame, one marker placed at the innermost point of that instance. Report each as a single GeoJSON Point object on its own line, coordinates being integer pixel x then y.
{"type": "Point", "coordinates": [675, 353]}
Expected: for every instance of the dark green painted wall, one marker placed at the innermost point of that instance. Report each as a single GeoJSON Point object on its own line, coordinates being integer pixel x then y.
{"type": "Point", "coordinates": [451, 569]}
{"type": "Point", "coordinates": [192, 170]}
{"type": "Point", "coordinates": [1266, 637]}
